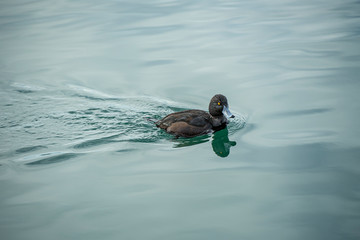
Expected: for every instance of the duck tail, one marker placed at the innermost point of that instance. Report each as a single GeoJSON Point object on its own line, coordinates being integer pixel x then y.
{"type": "Point", "coordinates": [151, 120]}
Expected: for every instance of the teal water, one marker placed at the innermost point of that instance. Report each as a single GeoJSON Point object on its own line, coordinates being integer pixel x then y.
{"type": "Point", "coordinates": [79, 160]}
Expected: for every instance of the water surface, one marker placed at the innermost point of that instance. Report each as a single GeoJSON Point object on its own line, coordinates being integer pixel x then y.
{"type": "Point", "coordinates": [79, 160]}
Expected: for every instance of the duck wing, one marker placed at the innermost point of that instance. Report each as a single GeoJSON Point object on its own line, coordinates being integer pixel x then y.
{"type": "Point", "coordinates": [196, 118]}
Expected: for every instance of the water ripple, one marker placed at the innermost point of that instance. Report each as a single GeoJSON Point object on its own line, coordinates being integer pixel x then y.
{"type": "Point", "coordinates": [300, 112]}
{"type": "Point", "coordinates": [307, 135]}
{"type": "Point", "coordinates": [89, 119]}
{"type": "Point", "coordinates": [29, 149]}
{"type": "Point", "coordinates": [96, 142]}
{"type": "Point", "coordinates": [54, 159]}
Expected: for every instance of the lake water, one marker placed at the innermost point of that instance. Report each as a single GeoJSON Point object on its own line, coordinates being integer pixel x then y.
{"type": "Point", "coordinates": [78, 160]}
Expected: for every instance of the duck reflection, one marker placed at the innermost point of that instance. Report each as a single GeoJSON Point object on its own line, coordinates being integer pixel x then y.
{"type": "Point", "coordinates": [186, 142]}
{"type": "Point", "coordinates": [220, 142]}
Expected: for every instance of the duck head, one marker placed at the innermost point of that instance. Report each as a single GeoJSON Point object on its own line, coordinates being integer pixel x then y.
{"type": "Point", "coordinates": [219, 107]}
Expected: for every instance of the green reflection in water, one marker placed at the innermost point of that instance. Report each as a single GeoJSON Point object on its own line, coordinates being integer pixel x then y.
{"type": "Point", "coordinates": [220, 142]}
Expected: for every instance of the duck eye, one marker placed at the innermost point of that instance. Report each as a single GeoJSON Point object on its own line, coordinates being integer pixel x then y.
{"type": "Point", "coordinates": [219, 103]}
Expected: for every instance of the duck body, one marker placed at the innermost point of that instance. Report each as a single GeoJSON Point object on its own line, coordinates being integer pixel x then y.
{"type": "Point", "coordinates": [191, 123]}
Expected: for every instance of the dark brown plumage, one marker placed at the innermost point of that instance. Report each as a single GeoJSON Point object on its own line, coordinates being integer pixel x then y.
{"type": "Point", "coordinates": [191, 123]}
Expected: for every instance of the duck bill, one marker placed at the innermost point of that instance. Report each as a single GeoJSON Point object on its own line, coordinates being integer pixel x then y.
{"type": "Point", "coordinates": [227, 113]}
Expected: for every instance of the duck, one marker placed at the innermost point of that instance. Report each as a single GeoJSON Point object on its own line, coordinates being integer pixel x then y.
{"type": "Point", "coordinates": [192, 123]}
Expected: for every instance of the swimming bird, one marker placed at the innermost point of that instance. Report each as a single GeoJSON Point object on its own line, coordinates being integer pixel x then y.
{"type": "Point", "coordinates": [191, 123]}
